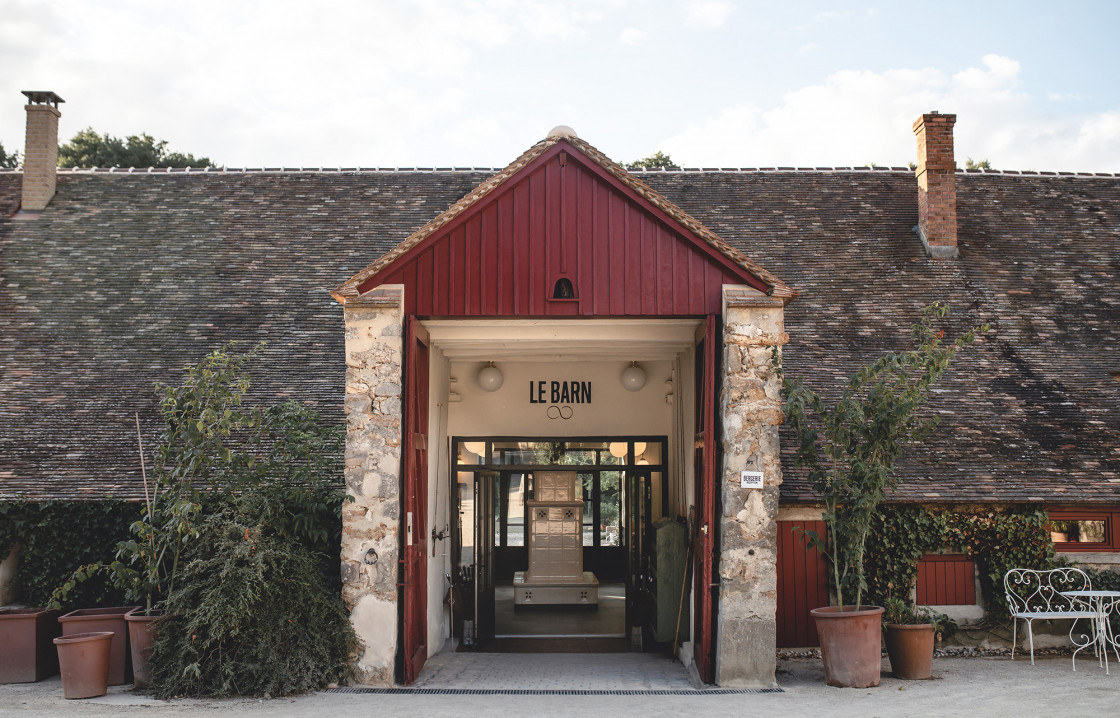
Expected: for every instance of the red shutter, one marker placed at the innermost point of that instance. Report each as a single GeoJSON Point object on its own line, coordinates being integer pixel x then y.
{"type": "Point", "coordinates": [946, 580]}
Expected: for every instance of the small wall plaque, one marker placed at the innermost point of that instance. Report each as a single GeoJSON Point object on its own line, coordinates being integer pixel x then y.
{"type": "Point", "coordinates": [750, 479]}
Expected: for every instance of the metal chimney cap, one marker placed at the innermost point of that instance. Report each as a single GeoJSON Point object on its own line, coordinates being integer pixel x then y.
{"type": "Point", "coordinates": [39, 97]}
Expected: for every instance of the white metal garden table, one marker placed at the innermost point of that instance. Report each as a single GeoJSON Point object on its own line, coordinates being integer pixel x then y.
{"type": "Point", "coordinates": [1102, 603]}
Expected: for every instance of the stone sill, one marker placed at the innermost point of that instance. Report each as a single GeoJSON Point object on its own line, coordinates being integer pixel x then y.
{"type": "Point", "coordinates": [1091, 557]}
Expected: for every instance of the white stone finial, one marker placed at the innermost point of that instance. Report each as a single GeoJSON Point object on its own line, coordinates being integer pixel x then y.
{"type": "Point", "coordinates": [562, 132]}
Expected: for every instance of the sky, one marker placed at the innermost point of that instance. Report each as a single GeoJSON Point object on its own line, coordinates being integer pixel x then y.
{"type": "Point", "coordinates": [465, 83]}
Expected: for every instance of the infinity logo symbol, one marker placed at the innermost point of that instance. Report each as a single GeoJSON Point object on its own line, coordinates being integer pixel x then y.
{"type": "Point", "coordinates": [559, 412]}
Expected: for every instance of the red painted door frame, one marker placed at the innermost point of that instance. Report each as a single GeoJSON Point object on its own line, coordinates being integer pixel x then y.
{"type": "Point", "coordinates": [413, 595]}
{"type": "Point", "coordinates": [414, 493]}
{"type": "Point", "coordinates": [706, 525]}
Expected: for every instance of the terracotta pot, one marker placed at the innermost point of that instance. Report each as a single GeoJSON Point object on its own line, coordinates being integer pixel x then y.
{"type": "Point", "coordinates": [26, 653]}
{"type": "Point", "coordinates": [851, 645]}
{"type": "Point", "coordinates": [142, 631]}
{"type": "Point", "coordinates": [910, 650]}
{"type": "Point", "coordinates": [90, 620]}
{"type": "Point", "coordinates": [84, 662]}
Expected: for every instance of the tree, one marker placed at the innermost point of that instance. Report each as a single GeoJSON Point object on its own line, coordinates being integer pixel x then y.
{"type": "Point", "coordinates": [850, 447]}
{"type": "Point", "coordinates": [657, 161]}
{"type": "Point", "coordinates": [8, 161]}
{"type": "Point", "coordinates": [90, 149]}
{"type": "Point", "coordinates": [972, 164]}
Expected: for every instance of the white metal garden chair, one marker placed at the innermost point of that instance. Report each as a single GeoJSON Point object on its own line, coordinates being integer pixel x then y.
{"type": "Point", "coordinates": [1037, 594]}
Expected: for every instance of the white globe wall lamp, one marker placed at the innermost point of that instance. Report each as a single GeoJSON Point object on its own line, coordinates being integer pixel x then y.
{"type": "Point", "coordinates": [490, 378]}
{"type": "Point", "coordinates": [633, 377]}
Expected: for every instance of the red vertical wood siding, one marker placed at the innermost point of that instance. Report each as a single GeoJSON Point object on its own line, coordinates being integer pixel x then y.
{"type": "Point", "coordinates": [946, 580]}
{"type": "Point", "coordinates": [802, 584]}
{"type": "Point", "coordinates": [503, 257]}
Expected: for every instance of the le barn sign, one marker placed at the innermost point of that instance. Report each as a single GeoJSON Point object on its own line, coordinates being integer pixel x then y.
{"type": "Point", "coordinates": [543, 391]}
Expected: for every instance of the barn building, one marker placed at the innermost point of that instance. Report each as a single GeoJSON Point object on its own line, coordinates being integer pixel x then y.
{"type": "Point", "coordinates": [490, 335]}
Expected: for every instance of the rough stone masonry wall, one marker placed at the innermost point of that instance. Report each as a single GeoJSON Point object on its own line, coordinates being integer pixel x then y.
{"type": "Point", "coordinates": [751, 411]}
{"type": "Point", "coordinates": [373, 459]}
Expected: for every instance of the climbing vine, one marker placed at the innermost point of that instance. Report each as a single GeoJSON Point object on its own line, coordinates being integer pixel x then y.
{"type": "Point", "coordinates": [56, 537]}
{"type": "Point", "coordinates": [899, 538]}
{"type": "Point", "coordinates": [1001, 541]}
{"type": "Point", "coordinates": [996, 541]}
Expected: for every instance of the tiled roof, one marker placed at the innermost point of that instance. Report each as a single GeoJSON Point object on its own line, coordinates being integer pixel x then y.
{"type": "Point", "coordinates": [128, 277]}
{"type": "Point", "coordinates": [1032, 413]}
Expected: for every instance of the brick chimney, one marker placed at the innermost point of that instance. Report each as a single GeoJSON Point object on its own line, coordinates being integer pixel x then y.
{"type": "Point", "coordinates": [937, 186]}
{"type": "Point", "coordinates": [40, 155]}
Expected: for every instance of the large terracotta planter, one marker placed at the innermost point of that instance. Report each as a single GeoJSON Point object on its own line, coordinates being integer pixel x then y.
{"type": "Point", "coordinates": [910, 650]}
{"type": "Point", "coordinates": [26, 652]}
{"type": "Point", "coordinates": [92, 620]}
{"type": "Point", "coordinates": [141, 635]}
{"type": "Point", "coordinates": [84, 660]}
{"type": "Point", "coordinates": [851, 645]}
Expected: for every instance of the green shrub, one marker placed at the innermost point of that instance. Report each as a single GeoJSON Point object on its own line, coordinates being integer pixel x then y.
{"type": "Point", "coordinates": [250, 515]}
{"type": "Point", "coordinates": [252, 615]}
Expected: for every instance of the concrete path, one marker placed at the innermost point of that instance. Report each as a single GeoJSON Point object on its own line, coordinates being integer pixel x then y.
{"type": "Point", "coordinates": [961, 687]}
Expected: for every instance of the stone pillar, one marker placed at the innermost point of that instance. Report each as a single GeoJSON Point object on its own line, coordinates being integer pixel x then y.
{"type": "Point", "coordinates": [370, 524]}
{"type": "Point", "coordinates": [750, 411]}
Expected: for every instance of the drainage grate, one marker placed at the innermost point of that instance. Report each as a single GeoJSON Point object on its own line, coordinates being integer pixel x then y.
{"type": "Point", "coordinates": [549, 692]}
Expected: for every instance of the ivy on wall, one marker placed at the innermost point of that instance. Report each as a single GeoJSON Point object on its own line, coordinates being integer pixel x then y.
{"type": "Point", "coordinates": [56, 537]}
{"type": "Point", "coordinates": [995, 540]}
{"type": "Point", "coordinates": [899, 538]}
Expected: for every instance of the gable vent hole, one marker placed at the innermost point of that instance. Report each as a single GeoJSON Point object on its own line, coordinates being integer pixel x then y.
{"type": "Point", "coordinates": [563, 289]}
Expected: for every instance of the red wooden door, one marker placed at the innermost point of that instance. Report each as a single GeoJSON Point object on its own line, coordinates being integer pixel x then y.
{"type": "Point", "coordinates": [705, 526]}
{"type": "Point", "coordinates": [802, 584]}
{"type": "Point", "coordinates": [414, 556]}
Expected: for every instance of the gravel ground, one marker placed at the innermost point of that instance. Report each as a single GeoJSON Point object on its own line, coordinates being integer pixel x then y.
{"type": "Point", "coordinates": [961, 686]}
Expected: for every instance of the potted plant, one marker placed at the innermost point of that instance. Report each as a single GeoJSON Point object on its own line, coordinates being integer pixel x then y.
{"type": "Point", "coordinates": [848, 448]}
{"type": "Point", "coordinates": [910, 634]}
{"type": "Point", "coordinates": [144, 568]}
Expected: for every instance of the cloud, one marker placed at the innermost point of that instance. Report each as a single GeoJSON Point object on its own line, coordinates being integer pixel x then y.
{"type": "Point", "coordinates": [277, 81]}
{"type": "Point", "coordinates": [859, 117]}
{"type": "Point", "coordinates": [830, 15]}
{"type": "Point", "coordinates": [631, 36]}
{"type": "Point", "coordinates": [708, 14]}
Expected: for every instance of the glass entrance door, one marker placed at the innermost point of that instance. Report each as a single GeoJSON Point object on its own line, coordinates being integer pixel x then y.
{"type": "Point", "coordinates": [496, 481]}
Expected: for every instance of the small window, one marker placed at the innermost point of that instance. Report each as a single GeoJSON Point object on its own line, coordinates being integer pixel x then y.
{"type": "Point", "coordinates": [1084, 530]}
{"type": "Point", "coordinates": [564, 289]}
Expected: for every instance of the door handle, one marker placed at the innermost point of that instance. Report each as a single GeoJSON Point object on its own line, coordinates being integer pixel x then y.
{"type": "Point", "coordinates": [703, 529]}
{"type": "Point", "coordinates": [408, 530]}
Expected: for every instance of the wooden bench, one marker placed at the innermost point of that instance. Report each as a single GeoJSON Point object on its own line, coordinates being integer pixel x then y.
{"type": "Point", "coordinates": [1034, 594]}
